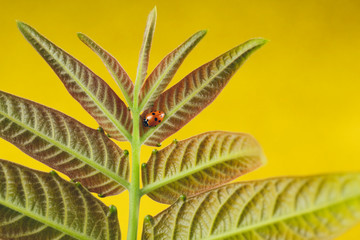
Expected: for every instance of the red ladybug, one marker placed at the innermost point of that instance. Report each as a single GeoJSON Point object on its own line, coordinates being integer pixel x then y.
{"type": "Point", "coordinates": [153, 118]}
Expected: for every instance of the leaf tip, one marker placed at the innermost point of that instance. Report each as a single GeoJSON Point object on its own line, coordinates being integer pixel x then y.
{"type": "Point", "coordinates": [158, 145]}
{"type": "Point", "coordinates": [77, 184]}
{"type": "Point", "coordinates": [143, 166]}
{"type": "Point", "coordinates": [154, 151]}
{"type": "Point", "coordinates": [203, 32]}
{"type": "Point", "coordinates": [263, 158]}
{"type": "Point", "coordinates": [175, 141]}
{"type": "Point", "coordinates": [108, 135]}
{"type": "Point", "coordinates": [154, 10]}
{"type": "Point", "coordinates": [80, 35]}
{"type": "Point", "coordinates": [21, 25]}
{"type": "Point", "coordinates": [126, 152]}
{"type": "Point", "coordinates": [260, 41]}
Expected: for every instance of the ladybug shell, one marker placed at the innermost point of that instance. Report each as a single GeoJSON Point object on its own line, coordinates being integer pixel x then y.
{"type": "Point", "coordinates": [153, 118]}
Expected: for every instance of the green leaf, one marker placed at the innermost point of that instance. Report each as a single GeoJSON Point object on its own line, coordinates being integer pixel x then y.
{"type": "Point", "coordinates": [145, 49]}
{"type": "Point", "coordinates": [190, 96]}
{"type": "Point", "coordinates": [59, 141]}
{"type": "Point", "coordinates": [199, 164]}
{"type": "Point", "coordinates": [158, 80]}
{"type": "Point", "coordinates": [316, 207]}
{"type": "Point", "coordinates": [116, 70]}
{"type": "Point", "coordinates": [38, 205]}
{"type": "Point", "coordinates": [93, 93]}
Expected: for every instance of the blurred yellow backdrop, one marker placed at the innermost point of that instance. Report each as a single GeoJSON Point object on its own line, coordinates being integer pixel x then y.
{"type": "Point", "coordinates": [298, 95]}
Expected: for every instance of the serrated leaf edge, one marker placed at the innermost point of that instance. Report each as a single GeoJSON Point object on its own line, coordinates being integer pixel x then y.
{"type": "Point", "coordinates": [144, 102]}
{"type": "Point", "coordinates": [204, 84]}
{"type": "Point", "coordinates": [44, 220]}
{"type": "Point", "coordinates": [265, 223]}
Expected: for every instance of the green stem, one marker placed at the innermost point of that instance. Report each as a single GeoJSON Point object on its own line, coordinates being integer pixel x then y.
{"type": "Point", "coordinates": [134, 192]}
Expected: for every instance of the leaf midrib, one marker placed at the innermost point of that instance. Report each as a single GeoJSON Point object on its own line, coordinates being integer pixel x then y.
{"type": "Point", "coordinates": [181, 103]}
{"type": "Point", "coordinates": [165, 181]}
{"type": "Point", "coordinates": [279, 219]}
{"type": "Point", "coordinates": [45, 221]}
{"type": "Point", "coordinates": [98, 167]}
{"type": "Point", "coordinates": [103, 109]}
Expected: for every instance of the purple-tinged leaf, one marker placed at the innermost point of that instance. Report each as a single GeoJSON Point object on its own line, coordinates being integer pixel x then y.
{"type": "Point", "coordinates": [39, 205]}
{"type": "Point", "coordinates": [93, 93]}
{"type": "Point", "coordinates": [59, 141]}
{"type": "Point", "coordinates": [191, 95]}
{"type": "Point", "coordinates": [198, 164]}
{"type": "Point", "coordinates": [159, 79]}
{"type": "Point", "coordinates": [145, 49]}
{"type": "Point", "coordinates": [116, 70]}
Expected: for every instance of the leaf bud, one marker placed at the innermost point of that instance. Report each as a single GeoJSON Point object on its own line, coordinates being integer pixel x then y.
{"type": "Point", "coordinates": [182, 197]}
{"type": "Point", "coordinates": [100, 129]}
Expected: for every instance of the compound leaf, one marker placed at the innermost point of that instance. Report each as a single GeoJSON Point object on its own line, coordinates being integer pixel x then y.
{"type": "Point", "coordinates": [59, 141]}
{"type": "Point", "coordinates": [190, 96]}
{"type": "Point", "coordinates": [38, 205]}
{"type": "Point", "coordinates": [199, 164]}
{"type": "Point", "coordinates": [158, 80]}
{"type": "Point", "coordinates": [316, 207]}
{"type": "Point", "coordinates": [116, 70]}
{"type": "Point", "coordinates": [93, 93]}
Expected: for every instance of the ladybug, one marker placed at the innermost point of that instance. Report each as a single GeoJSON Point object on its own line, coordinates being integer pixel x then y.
{"type": "Point", "coordinates": [153, 118]}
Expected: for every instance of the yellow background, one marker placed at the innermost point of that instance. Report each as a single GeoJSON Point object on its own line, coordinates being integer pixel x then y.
{"type": "Point", "coordinates": [298, 95]}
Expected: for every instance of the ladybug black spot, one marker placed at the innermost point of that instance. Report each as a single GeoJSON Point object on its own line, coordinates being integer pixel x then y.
{"type": "Point", "coordinates": [159, 121]}
{"type": "Point", "coordinates": [155, 119]}
{"type": "Point", "coordinates": [153, 113]}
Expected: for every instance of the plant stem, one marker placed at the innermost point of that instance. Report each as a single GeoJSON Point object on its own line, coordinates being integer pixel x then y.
{"type": "Point", "coordinates": [134, 192]}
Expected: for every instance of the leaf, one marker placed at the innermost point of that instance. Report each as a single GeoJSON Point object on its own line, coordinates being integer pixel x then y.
{"type": "Point", "coordinates": [199, 164]}
{"type": "Point", "coordinates": [116, 70]}
{"type": "Point", "coordinates": [158, 80]}
{"type": "Point", "coordinates": [190, 96]}
{"type": "Point", "coordinates": [316, 207]}
{"type": "Point", "coordinates": [145, 48]}
{"type": "Point", "coordinates": [38, 205]}
{"type": "Point", "coordinates": [61, 142]}
{"type": "Point", "coordinates": [93, 93]}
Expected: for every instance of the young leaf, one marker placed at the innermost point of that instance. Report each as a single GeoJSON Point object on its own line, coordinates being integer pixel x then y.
{"type": "Point", "coordinates": [84, 154]}
{"type": "Point", "coordinates": [158, 80]}
{"type": "Point", "coordinates": [145, 49]}
{"type": "Point", "coordinates": [38, 205]}
{"type": "Point", "coordinates": [316, 207]}
{"type": "Point", "coordinates": [190, 96]}
{"type": "Point", "coordinates": [93, 93]}
{"type": "Point", "coordinates": [199, 164]}
{"type": "Point", "coordinates": [117, 72]}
